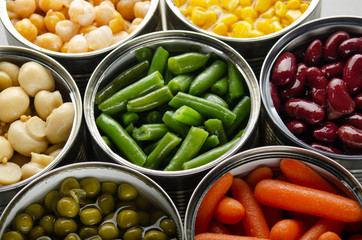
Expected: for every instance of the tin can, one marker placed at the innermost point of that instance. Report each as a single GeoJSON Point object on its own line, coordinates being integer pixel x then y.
{"type": "Point", "coordinates": [253, 50]}
{"type": "Point", "coordinates": [35, 191]}
{"type": "Point", "coordinates": [274, 130]}
{"type": "Point", "coordinates": [73, 149]}
{"type": "Point", "coordinates": [179, 184]}
{"type": "Point", "coordinates": [244, 162]}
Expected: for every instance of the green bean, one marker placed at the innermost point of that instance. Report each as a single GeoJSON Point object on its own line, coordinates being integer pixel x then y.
{"type": "Point", "coordinates": [132, 74]}
{"type": "Point", "coordinates": [168, 75]}
{"type": "Point", "coordinates": [151, 100]}
{"type": "Point", "coordinates": [153, 117]}
{"type": "Point", "coordinates": [129, 129]}
{"type": "Point", "coordinates": [107, 141]}
{"type": "Point", "coordinates": [143, 54]}
{"type": "Point", "coordinates": [187, 62]}
{"type": "Point", "coordinates": [204, 80]}
{"type": "Point", "coordinates": [210, 142]}
{"type": "Point", "coordinates": [215, 126]}
{"type": "Point", "coordinates": [242, 111]}
{"type": "Point", "coordinates": [177, 127]}
{"type": "Point", "coordinates": [129, 117]}
{"type": "Point", "coordinates": [159, 60]}
{"type": "Point", "coordinates": [150, 147]}
{"type": "Point", "coordinates": [118, 101]}
{"type": "Point", "coordinates": [216, 99]}
{"type": "Point", "coordinates": [188, 116]}
{"type": "Point", "coordinates": [163, 148]}
{"type": "Point", "coordinates": [180, 83]}
{"type": "Point", "coordinates": [221, 86]}
{"type": "Point", "coordinates": [150, 132]}
{"type": "Point", "coordinates": [121, 139]}
{"type": "Point", "coordinates": [206, 108]}
{"type": "Point", "coordinates": [189, 148]}
{"type": "Point", "coordinates": [236, 83]}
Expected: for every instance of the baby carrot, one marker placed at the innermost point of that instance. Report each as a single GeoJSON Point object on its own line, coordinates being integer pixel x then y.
{"type": "Point", "coordinates": [237, 228]}
{"type": "Point", "coordinates": [254, 221]}
{"type": "Point", "coordinates": [322, 226]}
{"type": "Point", "coordinates": [299, 173]}
{"type": "Point", "coordinates": [217, 227]}
{"type": "Point", "coordinates": [209, 202]}
{"type": "Point", "coordinates": [272, 215]}
{"type": "Point", "coordinates": [287, 229]}
{"type": "Point", "coordinates": [229, 211]}
{"type": "Point", "coordinates": [258, 174]}
{"type": "Point", "coordinates": [297, 198]}
{"type": "Point", "coordinates": [218, 236]}
{"type": "Point", "coordinates": [329, 236]}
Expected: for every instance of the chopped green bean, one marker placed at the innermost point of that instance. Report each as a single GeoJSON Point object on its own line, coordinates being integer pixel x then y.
{"type": "Point", "coordinates": [236, 83]}
{"type": "Point", "coordinates": [144, 53]}
{"type": "Point", "coordinates": [187, 62]}
{"type": "Point", "coordinates": [210, 142]}
{"type": "Point", "coordinates": [221, 86]}
{"type": "Point", "coordinates": [150, 132]}
{"type": "Point", "coordinates": [159, 60]}
{"type": "Point", "coordinates": [129, 117]}
{"type": "Point", "coordinates": [242, 111]}
{"type": "Point", "coordinates": [180, 83]}
{"type": "Point", "coordinates": [177, 127]}
{"type": "Point", "coordinates": [214, 126]}
{"type": "Point", "coordinates": [129, 129]}
{"type": "Point", "coordinates": [107, 141]}
{"type": "Point", "coordinates": [188, 116]}
{"type": "Point", "coordinates": [153, 117]}
{"type": "Point", "coordinates": [216, 99]}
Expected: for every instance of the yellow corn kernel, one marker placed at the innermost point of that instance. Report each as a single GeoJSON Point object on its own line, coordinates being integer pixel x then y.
{"type": "Point", "coordinates": [280, 9]}
{"type": "Point", "coordinates": [213, 2]}
{"type": "Point", "coordinates": [262, 5]}
{"type": "Point", "coordinates": [293, 15]}
{"type": "Point", "coordinates": [217, 9]}
{"type": "Point", "coordinates": [198, 17]}
{"type": "Point", "coordinates": [237, 11]}
{"type": "Point", "coordinates": [186, 11]}
{"type": "Point", "coordinates": [221, 29]}
{"type": "Point", "coordinates": [27, 29]}
{"type": "Point", "coordinates": [245, 2]}
{"type": "Point", "coordinates": [269, 13]}
{"type": "Point", "coordinates": [52, 18]}
{"type": "Point", "coordinates": [248, 12]}
{"type": "Point", "coordinates": [256, 33]}
{"type": "Point", "coordinates": [229, 5]}
{"type": "Point", "coordinates": [177, 3]}
{"type": "Point", "coordinates": [211, 18]}
{"type": "Point", "coordinates": [116, 23]}
{"type": "Point", "coordinates": [276, 26]}
{"type": "Point", "coordinates": [293, 4]}
{"type": "Point", "coordinates": [86, 29]}
{"type": "Point", "coordinates": [285, 22]}
{"type": "Point", "coordinates": [274, 18]}
{"type": "Point", "coordinates": [249, 20]}
{"type": "Point", "coordinates": [229, 19]}
{"type": "Point", "coordinates": [183, 2]}
{"type": "Point", "coordinates": [198, 3]}
{"type": "Point", "coordinates": [241, 29]}
{"type": "Point", "coordinates": [264, 26]}
{"type": "Point", "coordinates": [304, 7]}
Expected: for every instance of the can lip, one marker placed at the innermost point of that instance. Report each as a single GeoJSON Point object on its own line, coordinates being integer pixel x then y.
{"type": "Point", "coordinates": [302, 32]}
{"type": "Point", "coordinates": [68, 82]}
{"type": "Point", "coordinates": [5, 20]}
{"type": "Point", "coordinates": [159, 38]}
{"type": "Point", "coordinates": [313, 5]}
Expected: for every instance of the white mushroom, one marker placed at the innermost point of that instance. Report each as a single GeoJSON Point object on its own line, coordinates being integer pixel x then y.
{"type": "Point", "coordinates": [45, 102]}
{"type": "Point", "coordinates": [14, 102]}
{"type": "Point", "coordinates": [33, 78]}
{"type": "Point", "coordinates": [12, 70]}
{"type": "Point", "coordinates": [30, 169]}
{"type": "Point", "coordinates": [6, 150]}
{"type": "Point", "coordinates": [9, 173]}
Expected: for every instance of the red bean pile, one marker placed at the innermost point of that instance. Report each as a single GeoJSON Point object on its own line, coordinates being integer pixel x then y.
{"type": "Point", "coordinates": [316, 89]}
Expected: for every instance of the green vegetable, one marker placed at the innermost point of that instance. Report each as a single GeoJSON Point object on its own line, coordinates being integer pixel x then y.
{"type": "Point", "coordinates": [177, 127]}
{"type": "Point", "coordinates": [187, 62]}
{"type": "Point", "coordinates": [236, 83]}
{"type": "Point", "coordinates": [207, 78]}
{"type": "Point", "coordinates": [129, 117]}
{"type": "Point", "coordinates": [153, 117]}
{"type": "Point", "coordinates": [144, 54]}
{"type": "Point", "coordinates": [180, 83]}
{"type": "Point", "coordinates": [215, 127]}
{"type": "Point", "coordinates": [188, 116]}
{"type": "Point", "coordinates": [210, 142]}
{"type": "Point", "coordinates": [128, 76]}
{"type": "Point", "coordinates": [121, 139]}
{"type": "Point", "coordinates": [107, 141]}
{"type": "Point", "coordinates": [149, 132]}
{"type": "Point", "coordinates": [221, 86]}
{"type": "Point", "coordinates": [159, 60]}
{"type": "Point", "coordinates": [215, 98]}
{"type": "Point", "coordinates": [242, 111]}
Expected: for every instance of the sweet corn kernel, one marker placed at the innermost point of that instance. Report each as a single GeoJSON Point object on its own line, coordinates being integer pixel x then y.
{"type": "Point", "coordinates": [183, 2]}
{"type": "Point", "coordinates": [217, 9]}
{"type": "Point", "coordinates": [280, 9]}
{"type": "Point", "coordinates": [237, 11]}
{"type": "Point", "coordinates": [213, 2]}
{"type": "Point", "coordinates": [293, 4]}
{"type": "Point", "coordinates": [245, 2]}
{"type": "Point", "coordinates": [274, 18]}
{"type": "Point", "coordinates": [229, 5]}
{"type": "Point", "coordinates": [249, 20]}
{"type": "Point", "coordinates": [241, 29]}
{"type": "Point", "coordinates": [269, 13]}
{"type": "Point", "coordinates": [248, 12]}
{"type": "Point", "coordinates": [177, 3]}
{"type": "Point", "coordinates": [304, 7]}
{"type": "Point", "coordinates": [198, 3]}
{"type": "Point", "coordinates": [256, 33]}
{"type": "Point", "coordinates": [229, 19]}
{"type": "Point", "coordinates": [285, 22]}
{"type": "Point", "coordinates": [262, 5]}
{"type": "Point", "coordinates": [276, 26]}
{"type": "Point", "coordinates": [220, 29]}
{"type": "Point", "coordinates": [198, 17]}
{"type": "Point", "coordinates": [27, 29]}
{"type": "Point", "coordinates": [211, 19]}
{"type": "Point", "coordinates": [293, 15]}
{"type": "Point", "coordinates": [116, 23]}
{"type": "Point", "coordinates": [265, 26]}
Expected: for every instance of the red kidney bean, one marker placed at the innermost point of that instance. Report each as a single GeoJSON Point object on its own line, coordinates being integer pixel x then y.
{"type": "Point", "coordinates": [333, 70]}
{"type": "Point", "coordinates": [358, 100]}
{"type": "Point", "coordinates": [326, 133]}
{"type": "Point", "coordinates": [331, 45]}
{"type": "Point", "coordinates": [352, 74]}
{"type": "Point", "coordinates": [339, 101]}
{"type": "Point", "coordinates": [350, 46]}
{"type": "Point", "coordinates": [284, 69]}
{"type": "Point", "coordinates": [314, 53]}
{"type": "Point", "coordinates": [350, 136]}
{"type": "Point", "coordinates": [326, 148]}
{"type": "Point", "coordinates": [297, 127]}
{"type": "Point", "coordinates": [297, 86]}
{"type": "Point", "coordinates": [275, 96]}
{"type": "Point", "coordinates": [352, 151]}
{"type": "Point", "coordinates": [317, 84]}
{"type": "Point", "coordinates": [355, 120]}
{"type": "Point", "coordinates": [304, 110]}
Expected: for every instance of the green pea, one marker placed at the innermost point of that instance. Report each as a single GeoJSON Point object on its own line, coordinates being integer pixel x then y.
{"type": "Point", "coordinates": [88, 231]}
{"type": "Point", "coordinates": [133, 234]}
{"type": "Point", "coordinates": [127, 219]}
{"type": "Point", "coordinates": [168, 226]}
{"type": "Point", "coordinates": [72, 236]}
{"type": "Point", "coordinates": [126, 205]}
{"type": "Point", "coordinates": [126, 192]}
{"type": "Point", "coordinates": [67, 207]}
{"type": "Point", "coordinates": [12, 235]}
{"type": "Point", "coordinates": [156, 215]}
{"type": "Point", "coordinates": [90, 216]}
{"type": "Point", "coordinates": [109, 216]}
{"type": "Point", "coordinates": [110, 188]}
{"type": "Point", "coordinates": [35, 210]}
{"type": "Point", "coordinates": [47, 222]}
{"type": "Point", "coordinates": [51, 199]}
{"type": "Point", "coordinates": [142, 203]}
{"type": "Point", "coordinates": [36, 232]}
{"type": "Point", "coordinates": [106, 203]}
{"type": "Point", "coordinates": [79, 195]}
{"type": "Point", "coordinates": [63, 226]}
{"type": "Point", "coordinates": [91, 185]}
{"type": "Point", "coordinates": [144, 218]}
{"type": "Point", "coordinates": [67, 185]}
{"type": "Point", "coordinates": [23, 223]}
{"type": "Point", "coordinates": [108, 231]}
{"type": "Point", "coordinates": [155, 235]}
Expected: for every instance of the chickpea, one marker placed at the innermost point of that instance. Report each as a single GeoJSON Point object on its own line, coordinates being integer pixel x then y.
{"type": "Point", "coordinates": [66, 29]}
{"type": "Point", "coordinates": [49, 41]}
{"type": "Point", "coordinates": [33, 78]}
{"type": "Point", "coordinates": [104, 13]}
{"type": "Point", "coordinates": [81, 12]}
{"type": "Point", "coordinates": [52, 18]}
{"type": "Point", "coordinates": [5, 80]}
{"type": "Point", "coordinates": [117, 23]}
{"type": "Point", "coordinates": [39, 23]}
{"type": "Point", "coordinates": [141, 9]}
{"type": "Point", "coordinates": [30, 169]}
{"type": "Point", "coordinates": [14, 102]}
{"type": "Point", "coordinates": [45, 102]}
{"type": "Point", "coordinates": [46, 5]}
{"type": "Point", "coordinates": [24, 8]}
{"type": "Point", "coordinates": [99, 38]}
{"type": "Point", "coordinates": [6, 150]}
{"type": "Point", "coordinates": [27, 29]}
{"type": "Point", "coordinates": [78, 44]}
{"type": "Point", "coordinates": [119, 37]}
{"type": "Point", "coordinates": [125, 8]}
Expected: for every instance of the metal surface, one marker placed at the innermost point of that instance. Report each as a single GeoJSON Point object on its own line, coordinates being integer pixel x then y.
{"type": "Point", "coordinates": [36, 190]}
{"type": "Point", "coordinates": [242, 163]}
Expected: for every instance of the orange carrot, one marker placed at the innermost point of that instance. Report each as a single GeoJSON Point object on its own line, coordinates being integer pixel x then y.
{"type": "Point", "coordinates": [229, 211]}
{"type": "Point", "coordinates": [217, 227]}
{"type": "Point", "coordinates": [258, 174]}
{"type": "Point", "coordinates": [329, 236]}
{"type": "Point", "coordinates": [211, 199]}
{"type": "Point", "coordinates": [218, 236]}
{"type": "Point", "coordinates": [355, 237]}
{"type": "Point", "coordinates": [272, 215]}
{"type": "Point", "coordinates": [237, 228]}
{"type": "Point", "coordinates": [287, 229]}
{"type": "Point", "coordinates": [254, 221]}
{"type": "Point", "coordinates": [308, 219]}
{"type": "Point", "coordinates": [299, 173]}
{"type": "Point", "coordinates": [322, 226]}
{"type": "Point", "coordinates": [297, 198]}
